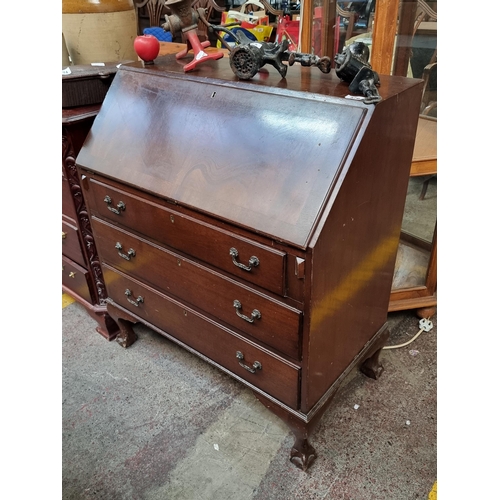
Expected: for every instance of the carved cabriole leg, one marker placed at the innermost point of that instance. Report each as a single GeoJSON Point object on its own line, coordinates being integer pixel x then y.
{"type": "Point", "coordinates": [302, 454]}
{"type": "Point", "coordinates": [126, 335]}
{"type": "Point", "coordinates": [371, 365]}
{"type": "Point", "coordinates": [302, 425]}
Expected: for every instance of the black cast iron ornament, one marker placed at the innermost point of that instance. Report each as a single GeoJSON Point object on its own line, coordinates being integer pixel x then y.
{"type": "Point", "coordinates": [353, 67]}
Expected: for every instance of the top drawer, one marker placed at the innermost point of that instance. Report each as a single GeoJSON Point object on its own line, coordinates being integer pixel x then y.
{"type": "Point", "coordinates": [239, 256]}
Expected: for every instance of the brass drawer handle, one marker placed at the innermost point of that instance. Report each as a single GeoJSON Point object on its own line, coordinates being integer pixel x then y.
{"type": "Point", "coordinates": [140, 300]}
{"type": "Point", "coordinates": [253, 262]}
{"type": "Point", "coordinates": [72, 274]}
{"type": "Point", "coordinates": [126, 256]}
{"type": "Point", "coordinates": [255, 313]}
{"type": "Point", "coordinates": [119, 207]}
{"type": "Point", "coordinates": [256, 365]}
{"type": "Point", "coordinates": [64, 235]}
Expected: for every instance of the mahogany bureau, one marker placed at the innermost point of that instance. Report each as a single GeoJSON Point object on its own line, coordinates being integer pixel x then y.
{"type": "Point", "coordinates": [81, 270]}
{"type": "Point", "coordinates": [255, 223]}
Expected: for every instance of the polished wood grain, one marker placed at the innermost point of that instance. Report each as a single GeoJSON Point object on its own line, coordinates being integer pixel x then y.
{"type": "Point", "coordinates": [289, 167]}
{"type": "Point", "coordinates": [358, 244]}
{"type": "Point", "coordinates": [278, 199]}
{"type": "Point", "coordinates": [424, 160]}
{"type": "Point", "coordinates": [186, 234]}
{"type": "Point", "coordinates": [276, 376]}
{"type": "Point", "coordinates": [383, 35]}
{"type": "Point", "coordinates": [172, 273]}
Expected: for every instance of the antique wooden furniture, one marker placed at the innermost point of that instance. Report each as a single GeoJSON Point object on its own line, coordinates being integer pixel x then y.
{"type": "Point", "coordinates": [81, 270]}
{"type": "Point", "coordinates": [255, 223]}
{"type": "Point", "coordinates": [421, 297]}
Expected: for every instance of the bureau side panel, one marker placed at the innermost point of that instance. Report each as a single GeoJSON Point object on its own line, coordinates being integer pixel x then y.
{"type": "Point", "coordinates": [355, 246]}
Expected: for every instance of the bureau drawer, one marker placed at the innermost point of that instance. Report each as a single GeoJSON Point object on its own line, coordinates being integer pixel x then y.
{"type": "Point", "coordinates": [246, 259]}
{"type": "Point", "coordinates": [76, 279]}
{"type": "Point", "coordinates": [272, 374]}
{"type": "Point", "coordinates": [267, 319]}
{"type": "Point", "coordinates": [71, 243]}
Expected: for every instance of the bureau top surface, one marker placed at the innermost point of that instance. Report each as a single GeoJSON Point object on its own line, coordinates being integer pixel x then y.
{"type": "Point", "coordinates": [262, 154]}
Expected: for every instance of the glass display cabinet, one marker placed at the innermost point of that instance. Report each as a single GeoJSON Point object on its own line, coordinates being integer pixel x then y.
{"type": "Point", "coordinates": [415, 55]}
{"type": "Point", "coordinates": [402, 37]}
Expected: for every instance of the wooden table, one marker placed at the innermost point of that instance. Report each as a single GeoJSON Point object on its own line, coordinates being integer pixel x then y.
{"type": "Point", "coordinates": [422, 298]}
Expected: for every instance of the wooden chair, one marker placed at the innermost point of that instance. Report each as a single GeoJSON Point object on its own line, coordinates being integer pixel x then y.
{"type": "Point", "coordinates": [149, 12]}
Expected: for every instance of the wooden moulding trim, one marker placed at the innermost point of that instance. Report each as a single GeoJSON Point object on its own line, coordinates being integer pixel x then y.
{"type": "Point", "coordinates": [306, 27]}
{"type": "Point", "coordinates": [384, 32]}
{"type": "Point", "coordinates": [423, 167]}
{"type": "Point", "coordinates": [415, 302]}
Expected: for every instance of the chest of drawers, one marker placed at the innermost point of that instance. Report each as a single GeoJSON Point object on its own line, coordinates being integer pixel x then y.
{"type": "Point", "coordinates": [254, 223]}
{"type": "Point", "coordinates": [81, 269]}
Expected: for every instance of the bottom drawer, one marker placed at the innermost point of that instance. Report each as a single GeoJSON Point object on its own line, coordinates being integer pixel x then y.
{"type": "Point", "coordinates": [244, 358]}
{"type": "Point", "coordinates": [76, 277]}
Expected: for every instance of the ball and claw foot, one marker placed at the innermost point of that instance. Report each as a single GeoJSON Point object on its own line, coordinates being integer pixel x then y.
{"type": "Point", "coordinates": [125, 341]}
{"type": "Point", "coordinates": [371, 366]}
{"type": "Point", "coordinates": [302, 454]}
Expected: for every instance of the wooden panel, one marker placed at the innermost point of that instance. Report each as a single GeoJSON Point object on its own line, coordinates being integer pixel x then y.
{"type": "Point", "coordinates": [76, 278]}
{"type": "Point", "coordinates": [424, 160]}
{"type": "Point", "coordinates": [71, 243]}
{"type": "Point", "coordinates": [384, 33]}
{"type": "Point", "coordinates": [211, 292]}
{"type": "Point", "coordinates": [277, 376]}
{"type": "Point", "coordinates": [358, 246]}
{"type": "Point", "coordinates": [274, 186]}
{"type": "Point", "coordinates": [181, 232]}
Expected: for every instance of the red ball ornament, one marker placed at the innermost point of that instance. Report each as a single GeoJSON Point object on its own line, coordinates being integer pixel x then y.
{"type": "Point", "coordinates": [147, 47]}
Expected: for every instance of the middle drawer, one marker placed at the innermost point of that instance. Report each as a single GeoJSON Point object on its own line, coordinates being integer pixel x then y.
{"type": "Point", "coordinates": [264, 318]}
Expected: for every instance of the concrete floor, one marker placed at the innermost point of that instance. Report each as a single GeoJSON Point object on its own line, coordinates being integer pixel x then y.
{"type": "Point", "coordinates": [154, 422]}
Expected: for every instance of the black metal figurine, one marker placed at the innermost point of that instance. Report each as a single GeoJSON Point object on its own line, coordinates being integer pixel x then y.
{"type": "Point", "coordinates": [247, 56]}
{"type": "Point", "coordinates": [352, 66]}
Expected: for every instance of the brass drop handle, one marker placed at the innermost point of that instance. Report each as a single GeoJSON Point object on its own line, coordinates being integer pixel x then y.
{"type": "Point", "coordinates": [64, 235]}
{"type": "Point", "coordinates": [252, 369]}
{"type": "Point", "coordinates": [126, 256]}
{"type": "Point", "coordinates": [140, 300]}
{"type": "Point", "coordinates": [253, 262]}
{"type": "Point", "coordinates": [255, 313]}
{"type": "Point", "coordinates": [120, 206]}
{"type": "Point", "coordinates": [72, 274]}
